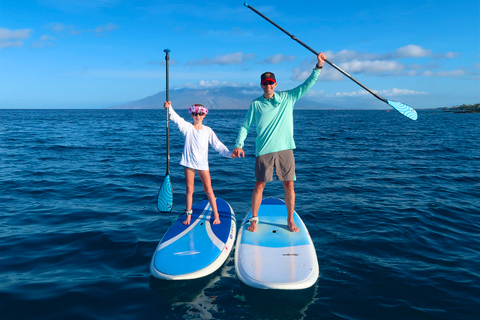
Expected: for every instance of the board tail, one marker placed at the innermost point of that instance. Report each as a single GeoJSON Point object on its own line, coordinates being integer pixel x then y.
{"type": "Point", "coordinates": [165, 196]}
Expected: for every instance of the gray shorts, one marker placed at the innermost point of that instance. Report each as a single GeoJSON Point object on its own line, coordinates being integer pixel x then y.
{"type": "Point", "coordinates": [283, 162]}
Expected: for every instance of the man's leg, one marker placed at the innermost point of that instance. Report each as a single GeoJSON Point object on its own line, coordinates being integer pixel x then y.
{"type": "Point", "coordinates": [290, 203]}
{"type": "Point", "coordinates": [256, 201]}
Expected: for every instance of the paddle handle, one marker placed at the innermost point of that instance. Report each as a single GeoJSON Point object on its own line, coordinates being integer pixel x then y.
{"type": "Point", "coordinates": [167, 58]}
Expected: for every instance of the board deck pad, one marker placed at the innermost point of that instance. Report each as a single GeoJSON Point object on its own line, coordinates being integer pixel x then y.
{"type": "Point", "coordinates": [195, 250]}
{"type": "Point", "coordinates": [273, 257]}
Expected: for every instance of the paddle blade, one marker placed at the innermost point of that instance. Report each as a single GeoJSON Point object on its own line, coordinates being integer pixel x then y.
{"type": "Point", "coordinates": [165, 196]}
{"type": "Point", "coordinates": [407, 111]}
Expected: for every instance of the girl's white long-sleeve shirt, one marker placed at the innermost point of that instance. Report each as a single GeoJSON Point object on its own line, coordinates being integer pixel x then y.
{"type": "Point", "coordinates": [195, 150]}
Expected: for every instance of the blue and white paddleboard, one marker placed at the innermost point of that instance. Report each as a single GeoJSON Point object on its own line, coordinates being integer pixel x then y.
{"type": "Point", "coordinates": [196, 250]}
{"type": "Point", "coordinates": [273, 257]}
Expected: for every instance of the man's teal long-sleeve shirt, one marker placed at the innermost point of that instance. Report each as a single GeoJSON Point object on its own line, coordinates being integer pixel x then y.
{"type": "Point", "coordinates": [274, 119]}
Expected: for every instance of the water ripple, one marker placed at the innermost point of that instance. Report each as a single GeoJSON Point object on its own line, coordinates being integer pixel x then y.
{"type": "Point", "coordinates": [394, 217]}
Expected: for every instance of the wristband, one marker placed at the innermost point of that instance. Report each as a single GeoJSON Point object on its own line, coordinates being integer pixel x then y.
{"type": "Point", "coordinates": [318, 67]}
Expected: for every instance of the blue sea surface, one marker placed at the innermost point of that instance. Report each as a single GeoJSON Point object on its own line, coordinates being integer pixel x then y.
{"type": "Point", "coordinates": [392, 206]}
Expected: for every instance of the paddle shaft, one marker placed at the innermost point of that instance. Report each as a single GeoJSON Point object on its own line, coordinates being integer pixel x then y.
{"type": "Point", "coordinates": [167, 58]}
{"type": "Point", "coordinates": [316, 53]}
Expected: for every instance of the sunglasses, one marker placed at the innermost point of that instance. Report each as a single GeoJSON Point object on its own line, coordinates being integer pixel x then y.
{"type": "Point", "coordinates": [267, 82]}
{"type": "Point", "coordinates": [198, 114]}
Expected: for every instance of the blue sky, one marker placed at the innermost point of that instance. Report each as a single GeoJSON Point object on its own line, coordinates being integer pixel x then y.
{"type": "Point", "coordinates": [99, 53]}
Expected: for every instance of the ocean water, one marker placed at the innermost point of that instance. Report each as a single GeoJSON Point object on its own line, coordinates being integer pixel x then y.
{"type": "Point", "coordinates": [392, 205]}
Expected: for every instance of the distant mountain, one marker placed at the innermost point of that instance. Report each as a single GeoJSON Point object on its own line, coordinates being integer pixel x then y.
{"type": "Point", "coordinates": [215, 98]}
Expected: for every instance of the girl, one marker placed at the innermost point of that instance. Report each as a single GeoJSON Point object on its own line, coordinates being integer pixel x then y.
{"type": "Point", "coordinates": [195, 154]}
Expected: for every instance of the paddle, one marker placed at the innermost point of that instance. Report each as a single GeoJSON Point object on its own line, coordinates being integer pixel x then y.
{"type": "Point", "coordinates": [165, 194]}
{"type": "Point", "coordinates": [407, 111]}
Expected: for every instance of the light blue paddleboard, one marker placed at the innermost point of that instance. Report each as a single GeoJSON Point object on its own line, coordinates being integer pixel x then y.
{"type": "Point", "coordinates": [196, 250]}
{"type": "Point", "coordinates": [273, 257]}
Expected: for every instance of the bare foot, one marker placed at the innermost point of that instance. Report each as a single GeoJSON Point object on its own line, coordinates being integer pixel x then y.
{"type": "Point", "coordinates": [187, 221]}
{"type": "Point", "coordinates": [253, 226]}
{"type": "Point", "coordinates": [293, 227]}
{"type": "Point", "coordinates": [217, 219]}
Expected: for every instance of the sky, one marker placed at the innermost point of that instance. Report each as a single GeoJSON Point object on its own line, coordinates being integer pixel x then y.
{"type": "Point", "coordinates": [100, 53]}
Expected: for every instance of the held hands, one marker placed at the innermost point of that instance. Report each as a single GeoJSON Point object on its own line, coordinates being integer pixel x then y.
{"type": "Point", "coordinates": [167, 104]}
{"type": "Point", "coordinates": [238, 153]}
{"type": "Point", "coordinates": [321, 60]}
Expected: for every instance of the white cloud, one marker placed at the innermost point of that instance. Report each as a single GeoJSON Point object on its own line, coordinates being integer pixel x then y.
{"type": "Point", "coordinates": [118, 74]}
{"type": "Point", "coordinates": [376, 66]}
{"type": "Point", "coordinates": [451, 55]}
{"type": "Point", "coordinates": [408, 51]}
{"type": "Point", "coordinates": [171, 62]}
{"type": "Point", "coordinates": [109, 27]}
{"type": "Point", "coordinates": [226, 59]}
{"type": "Point", "coordinates": [46, 38]}
{"type": "Point", "coordinates": [400, 92]}
{"type": "Point", "coordinates": [12, 38]}
{"type": "Point", "coordinates": [386, 64]}
{"type": "Point", "coordinates": [211, 83]}
{"type": "Point", "coordinates": [384, 93]}
{"type": "Point", "coordinates": [348, 94]}
{"type": "Point", "coordinates": [314, 93]}
{"type": "Point", "coordinates": [328, 74]}
{"type": "Point", "coordinates": [412, 51]}
{"type": "Point", "coordinates": [57, 27]}
{"type": "Point", "coordinates": [208, 84]}
{"type": "Point", "coordinates": [444, 74]}
{"type": "Point", "coordinates": [75, 6]}
{"type": "Point", "coordinates": [11, 44]}
{"type": "Point", "coordinates": [7, 34]}
{"type": "Point", "coordinates": [348, 55]}
{"type": "Point", "coordinates": [300, 74]}
{"type": "Point", "coordinates": [278, 58]}
{"type": "Point", "coordinates": [61, 28]}
{"type": "Point", "coordinates": [43, 42]}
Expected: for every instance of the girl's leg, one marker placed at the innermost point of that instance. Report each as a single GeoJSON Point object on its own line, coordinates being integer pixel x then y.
{"type": "Point", "coordinates": [190, 186]}
{"type": "Point", "coordinates": [207, 187]}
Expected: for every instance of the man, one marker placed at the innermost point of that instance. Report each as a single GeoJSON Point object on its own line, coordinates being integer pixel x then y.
{"type": "Point", "coordinates": [273, 115]}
